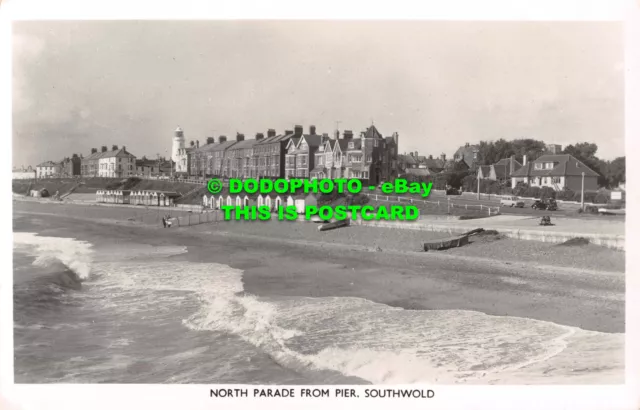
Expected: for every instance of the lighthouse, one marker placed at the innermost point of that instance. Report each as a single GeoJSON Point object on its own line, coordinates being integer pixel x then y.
{"type": "Point", "coordinates": [178, 145]}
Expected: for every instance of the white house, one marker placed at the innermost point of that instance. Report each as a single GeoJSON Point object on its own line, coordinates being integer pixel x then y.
{"type": "Point", "coordinates": [49, 169]}
{"type": "Point", "coordinates": [557, 172]}
{"type": "Point", "coordinates": [23, 173]}
{"type": "Point", "coordinates": [117, 163]}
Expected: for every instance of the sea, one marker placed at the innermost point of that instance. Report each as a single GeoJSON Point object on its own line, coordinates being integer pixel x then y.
{"type": "Point", "coordinates": [132, 313]}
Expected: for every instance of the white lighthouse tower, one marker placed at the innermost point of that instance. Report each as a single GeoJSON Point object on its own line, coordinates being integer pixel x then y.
{"type": "Point", "coordinates": [178, 145]}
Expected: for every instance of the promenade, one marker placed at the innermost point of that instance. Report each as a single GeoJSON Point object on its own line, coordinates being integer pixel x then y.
{"type": "Point", "coordinates": [610, 234]}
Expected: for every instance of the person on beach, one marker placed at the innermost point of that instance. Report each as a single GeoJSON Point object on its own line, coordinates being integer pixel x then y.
{"type": "Point", "coordinates": [164, 221]}
{"type": "Point", "coordinates": [168, 221]}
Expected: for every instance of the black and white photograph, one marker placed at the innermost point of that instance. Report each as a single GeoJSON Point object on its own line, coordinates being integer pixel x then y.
{"type": "Point", "coordinates": [434, 202]}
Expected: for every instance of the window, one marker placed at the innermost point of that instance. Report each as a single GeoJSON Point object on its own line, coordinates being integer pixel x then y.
{"type": "Point", "coordinates": [368, 158]}
{"type": "Point", "coordinates": [538, 165]}
{"type": "Point", "coordinates": [375, 143]}
{"type": "Point", "coordinates": [556, 180]}
{"type": "Point", "coordinates": [351, 145]}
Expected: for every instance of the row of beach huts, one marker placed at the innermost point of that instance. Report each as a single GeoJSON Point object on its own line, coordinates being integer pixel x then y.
{"type": "Point", "coordinates": [272, 201]}
{"type": "Point", "coordinates": [167, 199]}
{"type": "Point", "coordinates": [148, 198]}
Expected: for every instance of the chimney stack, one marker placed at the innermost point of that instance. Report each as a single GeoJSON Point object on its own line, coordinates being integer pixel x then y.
{"type": "Point", "coordinates": [191, 143]}
{"type": "Point", "coordinates": [239, 137]}
{"type": "Point", "coordinates": [443, 157]}
{"type": "Point", "coordinates": [114, 148]}
{"type": "Point", "coordinates": [211, 140]}
{"type": "Point", "coordinates": [524, 159]}
{"type": "Point", "coordinates": [312, 129]}
{"type": "Point", "coordinates": [337, 134]}
{"type": "Point", "coordinates": [430, 156]}
{"type": "Point", "coordinates": [271, 133]}
{"type": "Point", "coordinates": [197, 143]}
{"type": "Point", "coordinates": [288, 132]}
{"type": "Point", "coordinates": [104, 148]}
{"type": "Point", "coordinates": [411, 153]}
{"type": "Point", "coordinates": [94, 150]}
{"type": "Point", "coordinates": [297, 130]}
{"type": "Point", "coordinates": [222, 139]}
{"type": "Point", "coordinates": [124, 148]}
{"type": "Point", "coordinates": [466, 145]}
{"type": "Point", "coordinates": [512, 164]}
{"type": "Point", "coordinates": [348, 134]}
{"type": "Point", "coordinates": [259, 136]}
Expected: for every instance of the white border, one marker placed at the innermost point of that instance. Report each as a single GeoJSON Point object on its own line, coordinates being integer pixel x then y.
{"type": "Point", "coordinates": [449, 397]}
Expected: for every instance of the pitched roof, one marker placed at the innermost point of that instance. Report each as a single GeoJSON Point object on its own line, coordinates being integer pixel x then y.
{"type": "Point", "coordinates": [372, 132]}
{"type": "Point", "coordinates": [49, 164]}
{"type": "Point", "coordinates": [565, 165]}
{"type": "Point", "coordinates": [485, 169]}
{"type": "Point", "coordinates": [507, 162]}
{"type": "Point", "coordinates": [501, 171]}
{"type": "Point", "coordinates": [418, 171]}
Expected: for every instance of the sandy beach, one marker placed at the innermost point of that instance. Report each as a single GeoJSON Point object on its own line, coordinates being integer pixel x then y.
{"type": "Point", "coordinates": [580, 286]}
{"type": "Point", "coordinates": [281, 302]}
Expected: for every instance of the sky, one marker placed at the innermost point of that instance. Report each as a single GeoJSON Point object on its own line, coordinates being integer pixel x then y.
{"type": "Point", "coordinates": [439, 84]}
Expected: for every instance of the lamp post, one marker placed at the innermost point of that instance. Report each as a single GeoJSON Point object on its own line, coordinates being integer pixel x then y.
{"type": "Point", "coordinates": [582, 194]}
{"type": "Point", "coordinates": [478, 177]}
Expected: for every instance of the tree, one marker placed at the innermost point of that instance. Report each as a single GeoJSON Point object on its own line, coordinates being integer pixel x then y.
{"type": "Point", "coordinates": [616, 171]}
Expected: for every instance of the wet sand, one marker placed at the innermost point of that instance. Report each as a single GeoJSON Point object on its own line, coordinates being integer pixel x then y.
{"type": "Point", "coordinates": [382, 265]}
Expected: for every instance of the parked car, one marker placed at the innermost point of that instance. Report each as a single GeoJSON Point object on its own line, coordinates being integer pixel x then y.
{"type": "Point", "coordinates": [546, 204]}
{"type": "Point", "coordinates": [453, 191]}
{"type": "Point", "coordinates": [538, 204]}
{"type": "Point", "coordinates": [512, 201]}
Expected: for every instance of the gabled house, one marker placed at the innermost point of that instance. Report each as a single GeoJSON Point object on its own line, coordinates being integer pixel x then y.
{"type": "Point", "coordinates": [502, 170]}
{"type": "Point", "coordinates": [484, 171]}
{"type": "Point", "coordinates": [469, 154]}
{"type": "Point", "coordinates": [557, 172]}
{"type": "Point", "coordinates": [300, 158]}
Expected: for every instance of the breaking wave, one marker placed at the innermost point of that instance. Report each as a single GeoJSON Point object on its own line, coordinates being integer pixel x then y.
{"type": "Point", "coordinates": [69, 254]}
{"type": "Point", "coordinates": [378, 343]}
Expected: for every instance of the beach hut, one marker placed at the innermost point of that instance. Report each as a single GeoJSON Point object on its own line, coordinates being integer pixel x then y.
{"type": "Point", "coordinates": [291, 201]}
{"type": "Point", "coordinates": [300, 203]}
{"type": "Point", "coordinates": [266, 201]}
{"type": "Point", "coordinates": [119, 197]}
{"type": "Point", "coordinates": [260, 200]}
{"type": "Point", "coordinates": [98, 195]}
{"type": "Point", "coordinates": [229, 200]}
{"type": "Point", "coordinates": [246, 200]}
{"type": "Point", "coordinates": [239, 201]}
{"type": "Point", "coordinates": [162, 199]}
{"type": "Point", "coordinates": [277, 202]}
{"type": "Point", "coordinates": [205, 201]}
{"type": "Point", "coordinates": [154, 199]}
{"type": "Point", "coordinates": [218, 202]}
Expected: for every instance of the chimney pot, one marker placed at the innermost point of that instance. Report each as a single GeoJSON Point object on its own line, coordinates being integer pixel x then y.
{"type": "Point", "coordinates": [312, 129]}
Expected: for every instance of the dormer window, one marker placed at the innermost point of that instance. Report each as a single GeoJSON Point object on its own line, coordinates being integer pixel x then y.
{"type": "Point", "coordinates": [321, 149]}
{"type": "Point", "coordinates": [538, 165]}
{"type": "Point", "coordinates": [351, 145]}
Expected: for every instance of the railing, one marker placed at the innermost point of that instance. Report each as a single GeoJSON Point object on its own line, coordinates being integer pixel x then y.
{"type": "Point", "coordinates": [445, 204]}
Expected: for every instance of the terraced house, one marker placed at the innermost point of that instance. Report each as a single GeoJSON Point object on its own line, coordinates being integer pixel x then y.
{"type": "Point", "coordinates": [238, 159]}
{"type": "Point", "coordinates": [301, 152]}
{"type": "Point", "coordinates": [270, 154]}
{"type": "Point", "coordinates": [557, 172]}
{"type": "Point", "coordinates": [207, 160]}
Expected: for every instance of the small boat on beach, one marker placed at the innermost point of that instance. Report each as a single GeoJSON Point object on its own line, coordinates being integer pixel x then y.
{"type": "Point", "coordinates": [333, 225]}
{"type": "Point", "coordinates": [450, 242]}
